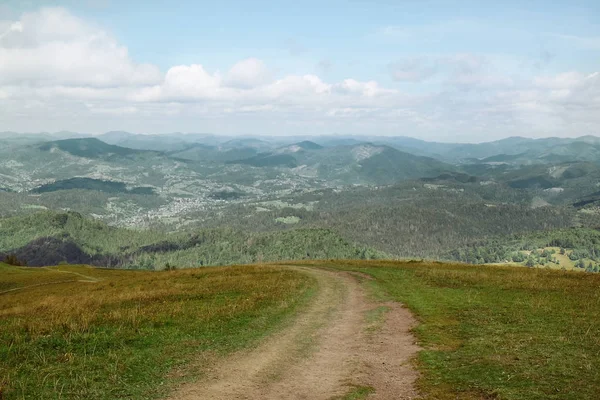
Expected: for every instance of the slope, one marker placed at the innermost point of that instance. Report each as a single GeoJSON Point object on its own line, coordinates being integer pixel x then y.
{"type": "Point", "coordinates": [90, 148]}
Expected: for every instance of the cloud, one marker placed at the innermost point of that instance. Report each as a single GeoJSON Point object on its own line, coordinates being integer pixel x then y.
{"type": "Point", "coordinates": [52, 46]}
{"type": "Point", "coordinates": [191, 81]}
{"type": "Point", "coordinates": [59, 71]}
{"type": "Point", "coordinates": [464, 71]}
{"type": "Point", "coordinates": [112, 111]}
{"type": "Point", "coordinates": [296, 85]}
{"type": "Point", "coordinates": [367, 89]}
{"type": "Point", "coordinates": [248, 73]}
{"type": "Point", "coordinates": [566, 80]}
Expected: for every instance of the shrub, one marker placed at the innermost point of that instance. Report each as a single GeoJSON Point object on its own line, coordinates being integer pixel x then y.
{"type": "Point", "coordinates": [169, 267]}
{"type": "Point", "coordinates": [12, 259]}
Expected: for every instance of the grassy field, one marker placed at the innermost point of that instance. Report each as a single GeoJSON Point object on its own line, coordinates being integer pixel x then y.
{"type": "Point", "coordinates": [488, 332]}
{"type": "Point", "coordinates": [83, 333]}
{"type": "Point", "coordinates": [493, 332]}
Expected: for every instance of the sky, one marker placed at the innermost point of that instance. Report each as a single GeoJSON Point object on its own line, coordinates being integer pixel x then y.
{"type": "Point", "coordinates": [467, 71]}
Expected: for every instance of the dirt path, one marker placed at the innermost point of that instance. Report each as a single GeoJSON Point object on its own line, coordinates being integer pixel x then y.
{"type": "Point", "coordinates": [87, 278]}
{"type": "Point", "coordinates": [342, 342]}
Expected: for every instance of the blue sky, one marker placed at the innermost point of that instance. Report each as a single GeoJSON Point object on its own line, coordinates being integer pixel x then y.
{"type": "Point", "coordinates": [442, 70]}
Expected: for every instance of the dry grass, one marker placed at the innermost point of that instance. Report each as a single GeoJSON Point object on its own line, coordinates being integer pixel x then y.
{"type": "Point", "coordinates": [91, 333]}
{"type": "Point", "coordinates": [488, 332]}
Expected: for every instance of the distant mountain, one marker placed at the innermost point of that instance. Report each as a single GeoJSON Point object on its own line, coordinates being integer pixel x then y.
{"type": "Point", "coordinates": [391, 165]}
{"type": "Point", "coordinates": [512, 150]}
{"type": "Point", "coordinates": [172, 142]}
{"type": "Point", "coordinates": [116, 137]}
{"type": "Point", "coordinates": [308, 145]}
{"type": "Point", "coordinates": [68, 135]}
{"type": "Point", "coordinates": [258, 144]}
{"type": "Point", "coordinates": [202, 152]}
{"type": "Point", "coordinates": [540, 151]}
{"type": "Point", "coordinates": [25, 137]}
{"type": "Point", "coordinates": [502, 158]}
{"type": "Point", "coordinates": [328, 141]}
{"type": "Point", "coordinates": [268, 160]}
{"type": "Point", "coordinates": [565, 183]}
{"type": "Point", "coordinates": [300, 146]}
{"type": "Point", "coordinates": [355, 164]}
{"type": "Point", "coordinates": [88, 148]}
{"type": "Point", "coordinates": [548, 150]}
{"type": "Point", "coordinates": [92, 184]}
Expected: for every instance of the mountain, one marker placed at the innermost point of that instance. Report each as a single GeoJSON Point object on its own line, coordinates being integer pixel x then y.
{"type": "Point", "coordinates": [68, 135]}
{"type": "Point", "coordinates": [116, 137]}
{"type": "Point", "coordinates": [91, 184]}
{"type": "Point", "coordinates": [511, 150]}
{"type": "Point", "coordinates": [88, 148]}
{"type": "Point", "coordinates": [308, 145]}
{"type": "Point", "coordinates": [202, 182]}
{"type": "Point", "coordinates": [356, 164]}
{"type": "Point", "coordinates": [202, 152]}
{"type": "Point", "coordinates": [367, 162]}
{"type": "Point", "coordinates": [268, 160]}
{"type": "Point", "coordinates": [173, 142]}
{"type": "Point", "coordinates": [48, 238]}
{"type": "Point", "coordinates": [305, 145]}
{"type": "Point", "coordinates": [517, 150]}
{"type": "Point", "coordinates": [391, 165]}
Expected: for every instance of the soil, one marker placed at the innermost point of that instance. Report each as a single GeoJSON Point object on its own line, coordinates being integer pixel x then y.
{"type": "Point", "coordinates": [342, 342]}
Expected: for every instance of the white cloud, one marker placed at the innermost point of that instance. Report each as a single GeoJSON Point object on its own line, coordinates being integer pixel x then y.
{"type": "Point", "coordinates": [566, 80]}
{"type": "Point", "coordinates": [58, 71]}
{"type": "Point", "coordinates": [52, 46]}
{"type": "Point", "coordinates": [248, 73]}
{"type": "Point", "coordinates": [462, 70]}
{"type": "Point", "coordinates": [295, 85]}
{"type": "Point", "coordinates": [367, 89]}
{"type": "Point", "coordinates": [112, 110]}
{"type": "Point", "coordinates": [191, 81]}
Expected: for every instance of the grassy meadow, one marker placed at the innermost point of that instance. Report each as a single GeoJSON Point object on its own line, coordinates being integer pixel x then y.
{"type": "Point", "coordinates": [493, 332]}
{"type": "Point", "coordinates": [487, 332]}
{"type": "Point", "coordinates": [75, 332]}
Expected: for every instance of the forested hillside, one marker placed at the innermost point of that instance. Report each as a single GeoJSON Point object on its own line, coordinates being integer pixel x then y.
{"type": "Point", "coordinates": [252, 199]}
{"type": "Point", "coordinates": [48, 238]}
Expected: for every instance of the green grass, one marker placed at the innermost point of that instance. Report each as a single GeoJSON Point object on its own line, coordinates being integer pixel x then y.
{"type": "Point", "coordinates": [131, 334]}
{"type": "Point", "coordinates": [358, 393]}
{"type": "Point", "coordinates": [487, 332]}
{"type": "Point", "coordinates": [498, 332]}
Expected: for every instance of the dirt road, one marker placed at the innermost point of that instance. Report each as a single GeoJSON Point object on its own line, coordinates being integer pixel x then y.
{"type": "Point", "coordinates": [342, 343]}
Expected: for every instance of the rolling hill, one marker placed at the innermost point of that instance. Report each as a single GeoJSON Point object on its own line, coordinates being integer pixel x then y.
{"type": "Point", "coordinates": [90, 148]}
{"type": "Point", "coordinates": [92, 184]}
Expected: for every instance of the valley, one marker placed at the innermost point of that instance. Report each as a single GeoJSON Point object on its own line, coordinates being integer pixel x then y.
{"type": "Point", "coordinates": [442, 201]}
{"type": "Point", "coordinates": [301, 200]}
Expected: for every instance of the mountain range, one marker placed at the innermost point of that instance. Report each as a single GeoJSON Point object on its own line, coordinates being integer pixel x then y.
{"type": "Point", "coordinates": [409, 197]}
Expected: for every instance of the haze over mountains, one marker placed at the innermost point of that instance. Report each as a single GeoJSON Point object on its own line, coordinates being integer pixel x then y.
{"type": "Point", "coordinates": [344, 196]}
{"type": "Point", "coordinates": [567, 149]}
{"type": "Point", "coordinates": [376, 196]}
